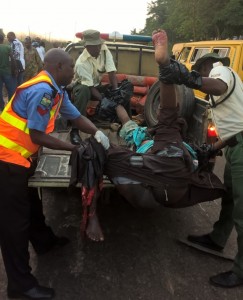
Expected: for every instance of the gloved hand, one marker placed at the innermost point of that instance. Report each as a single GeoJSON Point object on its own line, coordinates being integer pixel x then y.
{"type": "Point", "coordinates": [205, 152]}
{"type": "Point", "coordinates": [177, 73]}
{"type": "Point", "coordinates": [102, 138]}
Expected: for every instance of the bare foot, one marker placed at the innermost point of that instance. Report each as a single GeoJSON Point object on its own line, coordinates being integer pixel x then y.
{"type": "Point", "coordinates": [160, 41]}
{"type": "Point", "coordinates": [93, 230]}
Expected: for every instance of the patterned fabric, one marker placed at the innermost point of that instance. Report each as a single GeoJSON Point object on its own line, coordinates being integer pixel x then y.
{"type": "Point", "coordinates": [33, 63]}
{"type": "Point", "coordinates": [18, 51]}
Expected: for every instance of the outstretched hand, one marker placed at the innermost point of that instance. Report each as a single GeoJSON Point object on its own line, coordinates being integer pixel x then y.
{"type": "Point", "coordinates": [102, 138]}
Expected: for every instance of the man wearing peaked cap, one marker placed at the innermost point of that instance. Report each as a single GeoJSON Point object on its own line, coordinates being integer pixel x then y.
{"type": "Point", "coordinates": [213, 57]}
{"type": "Point", "coordinates": [95, 60]}
{"type": "Point", "coordinates": [92, 37]}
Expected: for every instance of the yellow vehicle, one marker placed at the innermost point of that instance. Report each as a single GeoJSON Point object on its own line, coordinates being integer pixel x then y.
{"type": "Point", "coordinates": [192, 51]}
{"type": "Point", "coordinates": [176, 49]}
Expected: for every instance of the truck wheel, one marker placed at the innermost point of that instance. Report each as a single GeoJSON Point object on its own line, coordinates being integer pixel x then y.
{"type": "Point", "coordinates": [185, 99]}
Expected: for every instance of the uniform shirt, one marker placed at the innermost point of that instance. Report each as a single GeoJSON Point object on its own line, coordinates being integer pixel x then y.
{"type": "Point", "coordinates": [228, 116]}
{"type": "Point", "coordinates": [89, 70]}
{"type": "Point", "coordinates": [33, 63]}
{"type": "Point", "coordinates": [5, 64]}
{"type": "Point", "coordinates": [18, 51]}
{"type": "Point", "coordinates": [32, 104]}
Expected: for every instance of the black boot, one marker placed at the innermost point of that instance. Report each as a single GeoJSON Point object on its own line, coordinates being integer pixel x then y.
{"type": "Point", "coordinates": [37, 292]}
{"type": "Point", "coordinates": [75, 139]}
{"type": "Point", "coordinates": [177, 73]}
{"type": "Point", "coordinates": [204, 241]}
{"type": "Point", "coordinates": [226, 280]}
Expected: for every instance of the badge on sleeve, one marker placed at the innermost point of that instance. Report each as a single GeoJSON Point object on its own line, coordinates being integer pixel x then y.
{"type": "Point", "coordinates": [46, 100]}
{"type": "Point", "coordinates": [44, 105]}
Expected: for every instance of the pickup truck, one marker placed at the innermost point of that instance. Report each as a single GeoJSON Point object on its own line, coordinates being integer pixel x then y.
{"type": "Point", "coordinates": [135, 62]}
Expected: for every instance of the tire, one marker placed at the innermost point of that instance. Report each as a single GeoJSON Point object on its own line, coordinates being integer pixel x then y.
{"type": "Point", "coordinates": [185, 99]}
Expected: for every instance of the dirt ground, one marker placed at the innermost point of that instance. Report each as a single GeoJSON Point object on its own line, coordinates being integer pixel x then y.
{"type": "Point", "coordinates": [140, 258]}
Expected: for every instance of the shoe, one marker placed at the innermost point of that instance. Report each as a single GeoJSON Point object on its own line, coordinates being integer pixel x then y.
{"type": "Point", "coordinates": [227, 279]}
{"type": "Point", "coordinates": [74, 137]}
{"type": "Point", "coordinates": [37, 292]}
{"type": "Point", "coordinates": [57, 243]}
{"type": "Point", "coordinates": [204, 241]}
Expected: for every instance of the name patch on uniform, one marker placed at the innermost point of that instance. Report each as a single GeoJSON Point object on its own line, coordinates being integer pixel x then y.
{"type": "Point", "coordinates": [46, 100]}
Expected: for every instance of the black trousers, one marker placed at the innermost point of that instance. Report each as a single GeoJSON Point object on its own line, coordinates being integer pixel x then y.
{"type": "Point", "coordinates": [21, 221]}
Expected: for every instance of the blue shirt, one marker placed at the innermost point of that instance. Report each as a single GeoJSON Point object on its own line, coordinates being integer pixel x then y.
{"type": "Point", "coordinates": [35, 103]}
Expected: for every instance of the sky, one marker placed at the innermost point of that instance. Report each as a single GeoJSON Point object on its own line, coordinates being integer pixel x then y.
{"type": "Point", "coordinates": [61, 19]}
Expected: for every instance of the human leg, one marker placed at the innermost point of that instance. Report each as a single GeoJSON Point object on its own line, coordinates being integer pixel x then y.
{"type": "Point", "coordinates": [161, 54]}
{"type": "Point", "coordinates": [122, 114]}
{"type": "Point", "coordinates": [14, 227]}
{"type": "Point", "coordinates": [217, 239]}
{"type": "Point", "coordinates": [93, 230]}
{"type": "Point", "coordinates": [234, 156]}
{"type": "Point", "coordinates": [11, 84]}
{"type": "Point", "coordinates": [81, 96]}
{"type": "Point", "coordinates": [223, 227]}
{"type": "Point", "coordinates": [42, 237]}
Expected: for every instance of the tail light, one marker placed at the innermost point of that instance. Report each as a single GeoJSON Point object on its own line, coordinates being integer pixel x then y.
{"type": "Point", "coordinates": [212, 135]}
{"type": "Point", "coordinates": [212, 131]}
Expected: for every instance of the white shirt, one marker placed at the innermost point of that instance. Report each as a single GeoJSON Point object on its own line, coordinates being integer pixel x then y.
{"type": "Point", "coordinates": [18, 51]}
{"type": "Point", "coordinates": [228, 116]}
{"type": "Point", "coordinates": [89, 70]}
{"type": "Point", "coordinates": [40, 52]}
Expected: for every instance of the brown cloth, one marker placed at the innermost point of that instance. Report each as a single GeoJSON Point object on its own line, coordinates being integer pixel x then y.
{"type": "Point", "coordinates": [171, 179]}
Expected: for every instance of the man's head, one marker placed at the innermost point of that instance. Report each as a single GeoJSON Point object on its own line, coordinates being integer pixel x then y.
{"type": "Point", "coordinates": [60, 65]}
{"type": "Point", "coordinates": [205, 63]}
{"type": "Point", "coordinates": [92, 42]}
{"type": "Point", "coordinates": [27, 42]}
{"type": "Point", "coordinates": [11, 36]}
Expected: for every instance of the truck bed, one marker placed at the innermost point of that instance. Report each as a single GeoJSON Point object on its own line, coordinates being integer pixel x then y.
{"type": "Point", "coordinates": [53, 169]}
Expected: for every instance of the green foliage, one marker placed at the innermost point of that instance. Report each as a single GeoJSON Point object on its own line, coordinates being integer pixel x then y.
{"type": "Point", "coordinates": [195, 19]}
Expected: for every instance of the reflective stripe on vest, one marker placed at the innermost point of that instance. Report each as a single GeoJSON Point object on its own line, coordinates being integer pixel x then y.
{"type": "Point", "coordinates": [20, 141]}
{"type": "Point", "coordinates": [11, 145]}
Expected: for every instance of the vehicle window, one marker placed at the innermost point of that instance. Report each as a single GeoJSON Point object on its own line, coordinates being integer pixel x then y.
{"type": "Point", "coordinates": [184, 54]}
{"type": "Point", "coordinates": [199, 52]}
{"type": "Point", "coordinates": [222, 51]}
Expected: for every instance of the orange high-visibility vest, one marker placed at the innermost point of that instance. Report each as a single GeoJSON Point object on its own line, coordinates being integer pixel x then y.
{"type": "Point", "coordinates": [16, 145]}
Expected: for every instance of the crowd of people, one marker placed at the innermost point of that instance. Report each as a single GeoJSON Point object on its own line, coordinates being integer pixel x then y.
{"type": "Point", "coordinates": [19, 62]}
{"type": "Point", "coordinates": [30, 115]}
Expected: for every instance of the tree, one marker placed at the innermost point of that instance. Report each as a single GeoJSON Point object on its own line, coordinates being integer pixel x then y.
{"type": "Point", "coordinates": [195, 19]}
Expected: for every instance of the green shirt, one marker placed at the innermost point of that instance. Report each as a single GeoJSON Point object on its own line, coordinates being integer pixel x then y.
{"type": "Point", "coordinates": [5, 63]}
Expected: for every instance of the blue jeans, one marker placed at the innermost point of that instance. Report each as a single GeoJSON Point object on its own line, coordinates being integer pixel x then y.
{"type": "Point", "coordinates": [10, 84]}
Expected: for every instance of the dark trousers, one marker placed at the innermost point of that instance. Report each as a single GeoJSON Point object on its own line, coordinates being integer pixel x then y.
{"type": "Point", "coordinates": [232, 203]}
{"type": "Point", "coordinates": [21, 221]}
{"type": "Point", "coordinates": [82, 95]}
